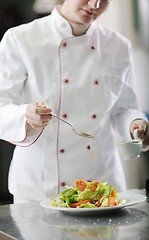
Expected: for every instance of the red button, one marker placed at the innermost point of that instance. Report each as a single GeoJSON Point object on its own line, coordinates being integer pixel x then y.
{"type": "Point", "coordinates": [96, 82]}
{"type": "Point", "coordinates": [66, 80]}
{"type": "Point", "coordinates": [94, 116]}
{"type": "Point", "coordinates": [62, 150]}
{"type": "Point", "coordinates": [89, 147]}
{"type": "Point", "coordinates": [64, 115]}
{"type": "Point", "coordinates": [92, 47]}
{"type": "Point", "coordinates": [63, 184]}
{"type": "Point", "coordinates": [64, 44]}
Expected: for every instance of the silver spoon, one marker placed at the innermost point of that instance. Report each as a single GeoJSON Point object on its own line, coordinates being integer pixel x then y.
{"type": "Point", "coordinates": [82, 134]}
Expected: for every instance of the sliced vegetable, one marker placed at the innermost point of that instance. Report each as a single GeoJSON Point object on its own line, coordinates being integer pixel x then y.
{"type": "Point", "coordinates": [112, 202]}
{"type": "Point", "coordinates": [81, 184]}
{"type": "Point", "coordinates": [77, 204]}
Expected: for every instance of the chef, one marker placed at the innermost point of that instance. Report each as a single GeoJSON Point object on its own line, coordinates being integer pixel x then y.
{"type": "Point", "coordinates": [68, 64]}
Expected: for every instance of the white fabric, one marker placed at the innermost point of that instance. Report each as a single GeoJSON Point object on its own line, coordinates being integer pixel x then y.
{"type": "Point", "coordinates": [34, 62]}
{"type": "Point", "coordinates": [17, 200]}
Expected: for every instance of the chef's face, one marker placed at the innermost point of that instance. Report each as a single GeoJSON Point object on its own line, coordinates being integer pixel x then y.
{"type": "Point", "coordinates": [83, 12]}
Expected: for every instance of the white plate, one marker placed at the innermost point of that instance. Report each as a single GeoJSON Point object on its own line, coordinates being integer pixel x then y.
{"type": "Point", "coordinates": [131, 199]}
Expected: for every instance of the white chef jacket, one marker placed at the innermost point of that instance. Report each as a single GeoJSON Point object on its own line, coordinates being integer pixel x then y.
{"type": "Point", "coordinates": [88, 80]}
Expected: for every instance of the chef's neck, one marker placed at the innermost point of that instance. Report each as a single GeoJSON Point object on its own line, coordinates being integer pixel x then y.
{"type": "Point", "coordinates": [77, 29]}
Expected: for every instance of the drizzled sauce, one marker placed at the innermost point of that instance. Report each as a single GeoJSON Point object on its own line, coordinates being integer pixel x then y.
{"type": "Point", "coordinates": [91, 151]}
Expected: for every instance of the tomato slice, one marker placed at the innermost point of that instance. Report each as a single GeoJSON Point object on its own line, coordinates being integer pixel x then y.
{"type": "Point", "coordinates": [112, 202]}
{"type": "Point", "coordinates": [96, 183]}
{"type": "Point", "coordinates": [81, 184]}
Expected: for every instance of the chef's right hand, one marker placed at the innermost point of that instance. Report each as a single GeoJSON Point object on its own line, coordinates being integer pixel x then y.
{"type": "Point", "coordinates": [37, 115]}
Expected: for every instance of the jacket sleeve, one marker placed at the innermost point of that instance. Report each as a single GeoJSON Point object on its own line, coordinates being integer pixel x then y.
{"type": "Point", "coordinates": [13, 75]}
{"type": "Point", "coordinates": [127, 107]}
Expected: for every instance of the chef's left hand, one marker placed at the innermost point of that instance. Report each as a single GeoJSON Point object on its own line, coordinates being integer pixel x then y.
{"type": "Point", "coordinates": [142, 132]}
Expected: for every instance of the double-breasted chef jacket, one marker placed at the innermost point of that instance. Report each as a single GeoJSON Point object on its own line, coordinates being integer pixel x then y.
{"type": "Point", "coordinates": [87, 80]}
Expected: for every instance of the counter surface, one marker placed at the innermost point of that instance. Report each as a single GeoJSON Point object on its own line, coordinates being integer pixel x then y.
{"type": "Point", "coordinates": [30, 221]}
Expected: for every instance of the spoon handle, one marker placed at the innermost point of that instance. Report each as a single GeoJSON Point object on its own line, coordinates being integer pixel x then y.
{"type": "Point", "coordinates": [54, 115]}
{"type": "Point", "coordinates": [135, 134]}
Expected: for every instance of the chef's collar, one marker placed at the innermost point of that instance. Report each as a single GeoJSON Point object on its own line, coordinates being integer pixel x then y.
{"type": "Point", "coordinates": [64, 26]}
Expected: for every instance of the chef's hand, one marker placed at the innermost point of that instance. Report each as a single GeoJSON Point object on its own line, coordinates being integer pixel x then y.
{"type": "Point", "coordinates": [37, 115]}
{"type": "Point", "coordinates": [142, 127]}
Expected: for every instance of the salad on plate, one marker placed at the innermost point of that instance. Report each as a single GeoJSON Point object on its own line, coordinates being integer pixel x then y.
{"type": "Point", "coordinates": [87, 195]}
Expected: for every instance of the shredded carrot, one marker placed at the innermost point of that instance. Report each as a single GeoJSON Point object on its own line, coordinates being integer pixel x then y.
{"type": "Point", "coordinates": [77, 204]}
